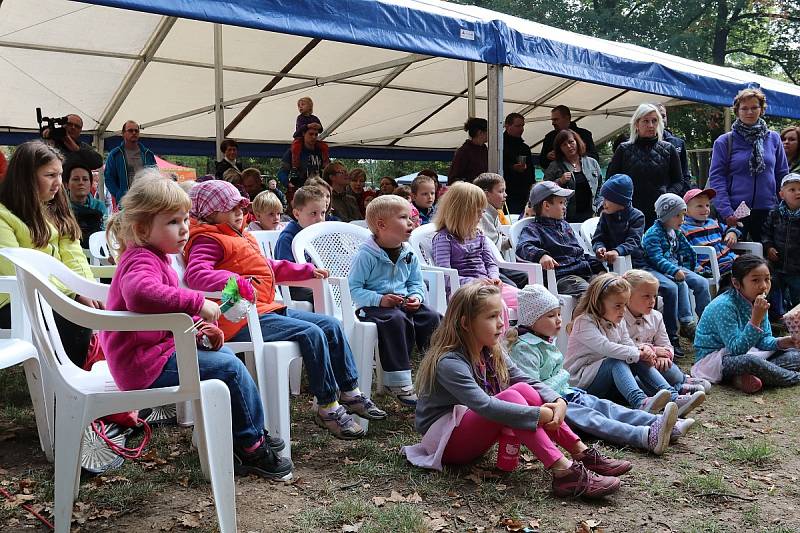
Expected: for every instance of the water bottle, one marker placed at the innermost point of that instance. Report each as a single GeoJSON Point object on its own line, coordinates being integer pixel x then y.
{"type": "Point", "coordinates": [507, 450]}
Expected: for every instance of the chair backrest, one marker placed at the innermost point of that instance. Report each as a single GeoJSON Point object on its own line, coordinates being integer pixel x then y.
{"type": "Point", "coordinates": [576, 229]}
{"type": "Point", "coordinates": [421, 242]}
{"type": "Point", "coordinates": [266, 240]}
{"type": "Point", "coordinates": [99, 249]}
{"type": "Point", "coordinates": [516, 230]}
{"type": "Point", "coordinates": [42, 298]}
{"type": "Point", "coordinates": [362, 223]}
{"type": "Point", "coordinates": [588, 228]}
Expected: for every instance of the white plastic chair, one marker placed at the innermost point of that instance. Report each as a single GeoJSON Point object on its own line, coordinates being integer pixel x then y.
{"type": "Point", "coordinates": [587, 229]}
{"type": "Point", "coordinates": [84, 396]}
{"type": "Point", "coordinates": [270, 365]}
{"type": "Point", "coordinates": [362, 223]}
{"type": "Point", "coordinates": [710, 253]}
{"type": "Point", "coordinates": [99, 251]}
{"type": "Point", "coordinates": [267, 239]}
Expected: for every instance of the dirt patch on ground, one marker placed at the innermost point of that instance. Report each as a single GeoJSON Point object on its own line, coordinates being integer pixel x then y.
{"type": "Point", "coordinates": [736, 471]}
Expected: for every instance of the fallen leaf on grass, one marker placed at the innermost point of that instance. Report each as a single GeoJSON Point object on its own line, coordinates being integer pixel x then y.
{"type": "Point", "coordinates": [589, 526]}
{"type": "Point", "coordinates": [512, 524]}
{"type": "Point", "coordinates": [709, 425]}
{"type": "Point", "coordinates": [396, 497]}
{"type": "Point", "coordinates": [759, 400]}
{"type": "Point", "coordinates": [189, 521]}
{"type": "Point", "coordinates": [435, 524]}
{"type": "Point", "coordinates": [352, 528]}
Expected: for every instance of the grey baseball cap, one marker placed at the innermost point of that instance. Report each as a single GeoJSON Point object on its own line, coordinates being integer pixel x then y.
{"type": "Point", "coordinates": [546, 189]}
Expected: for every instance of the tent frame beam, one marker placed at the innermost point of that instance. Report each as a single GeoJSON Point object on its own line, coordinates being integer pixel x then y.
{"type": "Point", "coordinates": [557, 90]}
{"type": "Point", "coordinates": [496, 118]}
{"type": "Point", "coordinates": [219, 86]}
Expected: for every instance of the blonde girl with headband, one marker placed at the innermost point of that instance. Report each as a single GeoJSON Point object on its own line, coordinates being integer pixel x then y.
{"type": "Point", "coordinates": [602, 358]}
{"type": "Point", "coordinates": [531, 347]}
{"type": "Point", "coordinates": [152, 224]}
{"type": "Point", "coordinates": [469, 392]}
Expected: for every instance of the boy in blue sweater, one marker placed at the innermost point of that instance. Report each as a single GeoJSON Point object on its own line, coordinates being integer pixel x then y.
{"type": "Point", "coordinates": [671, 259]}
{"type": "Point", "coordinates": [387, 288]}
{"type": "Point", "coordinates": [548, 239]}
{"type": "Point", "coordinates": [620, 228]}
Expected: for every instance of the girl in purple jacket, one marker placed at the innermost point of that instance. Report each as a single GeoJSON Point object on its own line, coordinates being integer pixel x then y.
{"type": "Point", "coordinates": [459, 244]}
{"type": "Point", "coordinates": [154, 222]}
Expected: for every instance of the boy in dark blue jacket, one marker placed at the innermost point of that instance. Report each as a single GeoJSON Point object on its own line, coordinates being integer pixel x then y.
{"type": "Point", "coordinates": [549, 240]}
{"type": "Point", "coordinates": [621, 226]}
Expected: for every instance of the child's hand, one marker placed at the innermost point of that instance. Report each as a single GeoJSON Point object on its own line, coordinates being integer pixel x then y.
{"type": "Point", "coordinates": [88, 302]}
{"type": "Point", "coordinates": [611, 256]}
{"type": "Point", "coordinates": [412, 303]}
{"type": "Point", "coordinates": [547, 262]}
{"type": "Point", "coordinates": [545, 415]}
{"type": "Point", "coordinates": [662, 352]}
{"type": "Point", "coordinates": [600, 253]}
{"type": "Point", "coordinates": [730, 239]}
{"type": "Point", "coordinates": [679, 275]}
{"type": "Point", "coordinates": [662, 363]}
{"type": "Point", "coordinates": [786, 343]}
{"type": "Point", "coordinates": [647, 355]}
{"type": "Point", "coordinates": [772, 255]}
{"type": "Point", "coordinates": [321, 273]}
{"type": "Point", "coordinates": [391, 300]}
{"type": "Point", "coordinates": [559, 414]}
{"type": "Point", "coordinates": [210, 311]}
{"type": "Point", "coordinates": [760, 308]}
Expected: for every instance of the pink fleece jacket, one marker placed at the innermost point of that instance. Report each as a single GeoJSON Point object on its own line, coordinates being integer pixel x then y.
{"type": "Point", "coordinates": [206, 253]}
{"type": "Point", "coordinates": [144, 282]}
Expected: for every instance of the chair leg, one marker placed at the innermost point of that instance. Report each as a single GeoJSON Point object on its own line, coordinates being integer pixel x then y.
{"type": "Point", "coordinates": [199, 436]}
{"type": "Point", "coordinates": [275, 394]}
{"type": "Point", "coordinates": [184, 414]}
{"type": "Point", "coordinates": [216, 443]}
{"type": "Point", "coordinates": [69, 428]}
{"type": "Point", "coordinates": [33, 375]}
{"type": "Point", "coordinates": [295, 376]}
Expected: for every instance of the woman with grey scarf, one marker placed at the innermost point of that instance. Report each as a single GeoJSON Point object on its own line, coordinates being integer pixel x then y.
{"type": "Point", "coordinates": [747, 166]}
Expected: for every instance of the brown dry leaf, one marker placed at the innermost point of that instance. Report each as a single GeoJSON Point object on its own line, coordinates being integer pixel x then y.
{"type": "Point", "coordinates": [759, 400]}
{"type": "Point", "coordinates": [352, 528]}
{"type": "Point", "coordinates": [379, 501]}
{"type": "Point", "coordinates": [534, 525]}
{"type": "Point", "coordinates": [512, 524]}
{"type": "Point", "coordinates": [589, 526]}
{"type": "Point", "coordinates": [189, 521]}
{"type": "Point", "coordinates": [183, 481]}
{"type": "Point", "coordinates": [709, 425]}
{"type": "Point", "coordinates": [436, 524]}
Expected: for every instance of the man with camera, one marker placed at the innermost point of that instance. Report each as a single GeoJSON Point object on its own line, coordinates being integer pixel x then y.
{"type": "Point", "coordinates": [67, 139]}
{"type": "Point", "coordinates": [126, 160]}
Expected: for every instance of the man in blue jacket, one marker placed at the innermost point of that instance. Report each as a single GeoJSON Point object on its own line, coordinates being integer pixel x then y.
{"type": "Point", "coordinates": [126, 160]}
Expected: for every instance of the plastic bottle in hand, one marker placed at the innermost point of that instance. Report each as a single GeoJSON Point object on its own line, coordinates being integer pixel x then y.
{"type": "Point", "coordinates": [507, 450]}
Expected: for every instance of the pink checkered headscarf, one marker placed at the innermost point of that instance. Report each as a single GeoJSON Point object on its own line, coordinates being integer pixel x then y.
{"type": "Point", "coordinates": [215, 196]}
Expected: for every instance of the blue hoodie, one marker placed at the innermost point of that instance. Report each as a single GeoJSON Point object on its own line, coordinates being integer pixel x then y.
{"type": "Point", "coordinates": [373, 275]}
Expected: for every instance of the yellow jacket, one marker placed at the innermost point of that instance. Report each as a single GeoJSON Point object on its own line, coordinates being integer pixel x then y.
{"type": "Point", "coordinates": [15, 234]}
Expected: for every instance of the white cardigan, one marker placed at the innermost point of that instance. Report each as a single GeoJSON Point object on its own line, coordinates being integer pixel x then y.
{"type": "Point", "coordinates": [591, 343]}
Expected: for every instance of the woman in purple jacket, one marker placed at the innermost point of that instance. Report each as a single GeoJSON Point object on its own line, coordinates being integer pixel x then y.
{"type": "Point", "coordinates": [747, 165]}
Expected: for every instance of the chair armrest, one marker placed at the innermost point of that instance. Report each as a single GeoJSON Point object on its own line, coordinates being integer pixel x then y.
{"type": "Point", "coordinates": [20, 329]}
{"type": "Point", "coordinates": [622, 264]}
{"type": "Point", "coordinates": [533, 270]}
{"type": "Point", "coordinates": [450, 273]}
{"type": "Point", "coordinates": [711, 253]}
{"type": "Point", "coordinates": [755, 248]}
{"type": "Point", "coordinates": [318, 286]}
{"type": "Point", "coordinates": [552, 283]}
{"type": "Point", "coordinates": [348, 317]}
{"type": "Point", "coordinates": [437, 298]}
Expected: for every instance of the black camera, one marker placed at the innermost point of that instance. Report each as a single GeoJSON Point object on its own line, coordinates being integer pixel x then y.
{"type": "Point", "coordinates": [56, 126]}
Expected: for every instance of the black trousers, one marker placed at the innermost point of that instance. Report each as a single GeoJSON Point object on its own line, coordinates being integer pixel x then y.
{"type": "Point", "coordinates": [515, 278]}
{"type": "Point", "coordinates": [399, 331]}
{"type": "Point", "coordinates": [74, 338]}
{"type": "Point", "coordinates": [752, 224]}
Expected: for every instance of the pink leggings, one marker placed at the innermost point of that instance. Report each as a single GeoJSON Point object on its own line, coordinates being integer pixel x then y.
{"type": "Point", "coordinates": [475, 434]}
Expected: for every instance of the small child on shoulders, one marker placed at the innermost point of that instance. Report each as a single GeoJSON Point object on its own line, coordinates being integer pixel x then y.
{"type": "Point", "coordinates": [671, 259]}
{"type": "Point", "coordinates": [603, 360]}
{"type": "Point", "coordinates": [781, 236]}
{"type": "Point", "coordinates": [423, 197]}
{"type": "Point", "coordinates": [646, 326]}
{"type": "Point", "coordinates": [702, 230]}
{"type": "Point", "coordinates": [548, 239]}
{"type": "Point", "coordinates": [459, 243]}
{"type": "Point", "coordinates": [531, 348]}
{"type": "Point", "coordinates": [387, 288]}
{"type": "Point", "coordinates": [305, 106]}
{"type": "Point", "coordinates": [621, 226]}
{"type": "Point", "coordinates": [267, 210]}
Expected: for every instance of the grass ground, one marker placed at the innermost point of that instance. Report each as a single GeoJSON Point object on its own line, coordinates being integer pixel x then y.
{"type": "Point", "coordinates": [736, 471]}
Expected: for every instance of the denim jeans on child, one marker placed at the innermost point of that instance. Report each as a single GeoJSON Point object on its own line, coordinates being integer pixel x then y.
{"type": "Point", "coordinates": [607, 420]}
{"type": "Point", "coordinates": [246, 412]}
{"type": "Point", "coordinates": [615, 374]}
{"type": "Point", "coordinates": [677, 305]}
{"type": "Point", "coordinates": [674, 376]}
{"type": "Point", "coordinates": [326, 353]}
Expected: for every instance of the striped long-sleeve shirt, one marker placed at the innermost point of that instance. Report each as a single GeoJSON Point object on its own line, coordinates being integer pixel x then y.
{"type": "Point", "coordinates": [709, 232]}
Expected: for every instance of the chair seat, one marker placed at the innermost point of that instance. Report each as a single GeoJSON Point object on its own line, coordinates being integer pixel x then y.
{"type": "Point", "coordinates": [15, 351]}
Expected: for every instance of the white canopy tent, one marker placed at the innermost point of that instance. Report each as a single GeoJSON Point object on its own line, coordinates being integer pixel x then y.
{"type": "Point", "coordinates": [385, 75]}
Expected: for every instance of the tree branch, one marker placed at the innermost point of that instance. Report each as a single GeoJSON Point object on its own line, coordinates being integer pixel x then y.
{"type": "Point", "coordinates": [755, 15]}
{"type": "Point", "coordinates": [780, 63]}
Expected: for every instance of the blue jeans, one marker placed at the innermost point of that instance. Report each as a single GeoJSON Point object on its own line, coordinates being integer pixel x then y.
{"type": "Point", "coordinates": [617, 375]}
{"type": "Point", "coordinates": [677, 306]}
{"type": "Point", "coordinates": [674, 376]}
{"type": "Point", "coordinates": [326, 352]}
{"type": "Point", "coordinates": [607, 420]}
{"type": "Point", "coordinates": [246, 412]}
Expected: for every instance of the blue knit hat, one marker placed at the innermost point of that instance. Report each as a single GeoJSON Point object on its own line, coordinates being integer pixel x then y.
{"type": "Point", "coordinates": [618, 189]}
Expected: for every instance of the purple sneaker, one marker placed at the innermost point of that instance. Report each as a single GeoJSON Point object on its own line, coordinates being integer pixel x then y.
{"type": "Point", "coordinates": [689, 402]}
{"type": "Point", "coordinates": [681, 428]}
{"type": "Point", "coordinates": [661, 429]}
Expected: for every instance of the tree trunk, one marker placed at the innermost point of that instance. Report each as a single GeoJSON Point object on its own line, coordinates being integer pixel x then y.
{"type": "Point", "coordinates": [721, 32]}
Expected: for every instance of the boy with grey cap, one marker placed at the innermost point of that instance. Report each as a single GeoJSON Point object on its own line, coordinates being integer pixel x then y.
{"type": "Point", "coordinates": [781, 237]}
{"type": "Point", "coordinates": [671, 259]}
{"type": "Point", "coordinates": [548, 239]}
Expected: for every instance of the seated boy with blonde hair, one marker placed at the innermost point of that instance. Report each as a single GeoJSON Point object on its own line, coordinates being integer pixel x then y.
{"type": "Point", "coordinates": [387, 288]}
{"type": "Point", "coordinates": [267, 210]}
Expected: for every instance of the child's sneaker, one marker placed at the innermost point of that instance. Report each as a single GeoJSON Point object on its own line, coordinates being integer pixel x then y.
{"type": "Point", "coordinates": [687, 330]}
{"type": "Point", "coordinates": [655, 403]}
{"type": "Point", "coordinates": [275, 443]}
{"type": "Point", "coordinates": [600, 464]}
{"type": "Point", "coordinates": [362, 406]}
{"type": "Point", "coordinates": [691, 388]}
{"type": "Point", "coordinates": [689, 402]}
{"type": "Point", "coordinates": [661, 429]}
{"type": "Point", "coordinates": [699, 381]}
{"type": "Point", "coordinates": [263, 461]}
{"type": "Point", "coordinates": [681, 428]}
{"type": "Point", "coordinates": [340, 424]}
{"type": "Point", "coordinates": [747, 383]}
{"type": "Point", "coordinates": [404, 394]}
{"type": "Point", "coordinates": [583, 482]}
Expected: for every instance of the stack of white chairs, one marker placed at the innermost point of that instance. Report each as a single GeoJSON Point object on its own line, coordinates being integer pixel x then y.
{"type": "Point", "coordinates": [83, 396]}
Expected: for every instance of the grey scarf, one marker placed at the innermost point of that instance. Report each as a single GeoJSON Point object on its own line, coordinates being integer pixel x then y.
{"type": "Point", "coordinates": [755, 135]}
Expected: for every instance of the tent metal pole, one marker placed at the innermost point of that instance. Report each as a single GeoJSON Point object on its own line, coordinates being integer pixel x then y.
{"type": "Point", "coordinates": [470, 89]}
{"type": "Point", "coordinates": [495, 114]}
{"type": "Point", "coordinates": [219, 111]}
{"type": "Point", "coordinates": [99, 143]}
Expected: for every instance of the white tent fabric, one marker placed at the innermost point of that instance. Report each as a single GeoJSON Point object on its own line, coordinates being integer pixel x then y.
{"type": "Point", "coordinates": [110, 65]}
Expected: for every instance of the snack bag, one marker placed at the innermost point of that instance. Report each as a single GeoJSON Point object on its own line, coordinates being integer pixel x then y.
{"type": "Point", "coordinates": [237, 297]}
{"type": "Point", "coordinates": [792, 321]}
{"type": "Point", "coordinates": [742, 211]}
